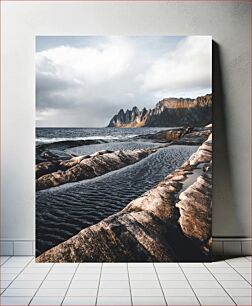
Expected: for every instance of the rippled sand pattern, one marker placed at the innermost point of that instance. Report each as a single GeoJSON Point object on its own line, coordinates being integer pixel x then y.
{"type": "Point", "coordinates": [62, 212]}
{"type": "Point", "coordinates": [83, 150]}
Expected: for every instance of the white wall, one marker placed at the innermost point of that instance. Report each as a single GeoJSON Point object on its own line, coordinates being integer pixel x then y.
{"type": "Point", "coordinates": [227, 22]}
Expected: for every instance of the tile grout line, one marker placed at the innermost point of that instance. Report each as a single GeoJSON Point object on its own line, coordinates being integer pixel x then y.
{"type": "Point", "coordinates": [41, 283]}
{"type": "Point", "coordinates": [160, 284]}
{"type": "Point", "coordinates": [238, 272]}
{"type": "Point", "coordinates": [15, 277]}
{"type": "Point", "coordinates": [9, 257]}
{"type": "Point", "coordinates": [189, 284]}
{"type": "Point", "coordinates": [69, 284]}
{"type": "Point", "coordinates": [98, 288]}
{"type": "Point", "coordinates": [1, 266]}
{"type": "Point", "coordinates": [247, 258]}
{"type": "Point", "coordinates": [131, 298]}
{"type": "Point", "coordinates": [220, 284]}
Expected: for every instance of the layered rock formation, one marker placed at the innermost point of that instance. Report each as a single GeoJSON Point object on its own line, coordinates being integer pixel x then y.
{"type": "Point", "coordinates": [170, 112]}
{"type": "Point", "coordinates": [55, 150]}
{"type": "Point", "coordinates": [51, 174]}
{"type": "Point", "coordinates": [171, 222]}
{"type": "Point", "coordinates": [186, 136]}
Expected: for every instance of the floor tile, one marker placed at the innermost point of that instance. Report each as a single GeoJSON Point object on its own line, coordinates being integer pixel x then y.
{"type": "Point", "coordinates": [220, 300]}
{"type": "Point", "coordinates": [191, 264]}
{"type": "Point", "coordinates": [114, 284]}
{"type": "Point", "coordinates": [114, 292]}
{"type": "Point", "coordinates": [55, 284]}
{"type": "Point", "coordinates": [59, 277]}
{"type": "Point", "coordinates": [204, 284]}
{"type": "Point", "coordinates": [166, 264]}
{"type": "Point", "coordinates": [65, 265]}
{"type": "Point", "coordinates": [25, 284]}
{"type": "Point", "coordinates": [115, 264]}
{"type": "Point", "coordinates": [219, 270]}
{"type": "Point", "coordinates": [201, 276]}
{"type": "Point", "coordinates": [144, 277]}
{"type": "Point", "coordinates": [21, 258]}
{"type": "Point", "coordinates": [169, 270]}
{"type": "Point", "coordinates": [241, 264]}
{"type": "Point", "coordinates": [140, 267]}
{"type": "Point", "coordinates": [147, 300]}
{"type": "Point", "coordinates": [243, 300]}
{"type": "Point", "coordinates": [8, 276]}
{"type": "Point", "coordinates": [239, 291]}
{"type": "Point", "coordinates": [195, 270]}
{"type": "Point", "coordinates": [146, 292]}
{"type": "Point", "coordinates": [175, 284]}
{"type": "Point", "coordinates": [5, 283]}
{"type": "Point", "coordinates": [210, 292]}
{"type": "Point", "coordinates": [86, 284]}
{"type": "Point", "coordinates": [189, 300]}
{"type": "Point", "coordinates": [236, 259]}
{"type": "Point", "coordinates": [29, 276]}
{"type": "Point", "coordinates": [3, 259]}
{"type": "Point", "coordinates": [216, 264]}
{"type": "Point", "coordinates": [47, 300]}
{"type": "Point", "coordinates": [32, 270]}
{"type": "Point", "coordinates": [51, 292]}
{"type": "Point", "coordinates": [248, 277]}
{"type": "Point", "coordinates": [114, 276]}
{"type": "Point", "coordinates": [229, 276]}
{"type": "Point", "coordinates": [172, 276]}
{"type": "Point", "coordinates": [104, 300]}
{"type": "Point", "coordinates": [19, 292]}
{"type": "Point", "coordinates": [63, 269]}
{"type": "Point", "coordinates": [243, 270]}
{"type": "Point", "coordinates": [86, 269]}
{"type": "Point", "coordinates": [82, 292]}
{"type": "Point", "coordinates": [178, 292]}
{"type": "Point", "coordinates": [35, 264]}
{"type": "Point", "coordinates": [10, 270]}
{"type": "Point", "coordinates": [116, 270]}
{"type": "Point", "coordinates": [234, 284]}
{"type": "Point", "coordinates": [15, 300]}
{"type": "Point", "coordinates": [86, 277]}
{"type": "Point", "coordinates": [80, 300]}
{"type": "Point", "coordinates": [14, 264]}
{"type": "Point", "coordinates": [144, 284]}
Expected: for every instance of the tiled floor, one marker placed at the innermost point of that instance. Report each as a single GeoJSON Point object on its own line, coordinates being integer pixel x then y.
{"type": "Point", "coordinates": [23, 282]}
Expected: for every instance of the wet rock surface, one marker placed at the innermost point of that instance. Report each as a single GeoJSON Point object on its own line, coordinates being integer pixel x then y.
{"type": "Point", "coordinates": [56, 150]}
{"type": "Point", "coordinates": [170, 222]}
{"type": "Point", "coordinates": [85, 167]}
{"type": "Point", "coordinates": [63, 211]}
{"type": "Point", "coordinates": [182, 135]}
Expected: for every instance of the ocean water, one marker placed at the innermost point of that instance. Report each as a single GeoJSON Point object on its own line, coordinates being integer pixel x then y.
{"type": "Point", "coordinates": [49, 135]}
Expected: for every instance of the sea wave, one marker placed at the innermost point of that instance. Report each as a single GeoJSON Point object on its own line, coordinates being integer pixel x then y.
{"type": "Point", "coordinates": [42, 140]}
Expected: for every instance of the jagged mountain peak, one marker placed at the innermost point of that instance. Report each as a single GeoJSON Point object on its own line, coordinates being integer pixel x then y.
{"type": "Point", "coordinates": [168, 112]}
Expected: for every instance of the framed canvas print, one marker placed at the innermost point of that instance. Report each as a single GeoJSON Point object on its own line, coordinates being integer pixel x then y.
{"type": "Point", "coordinates": [123, 148]}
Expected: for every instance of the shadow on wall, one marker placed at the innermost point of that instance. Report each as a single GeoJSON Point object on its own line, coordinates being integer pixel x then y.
{"type": "Point", "coordinates": [225, 214]}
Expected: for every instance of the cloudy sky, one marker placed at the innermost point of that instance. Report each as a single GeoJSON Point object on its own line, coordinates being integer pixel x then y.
{"type": "Point", "coordinates": [82, 81]}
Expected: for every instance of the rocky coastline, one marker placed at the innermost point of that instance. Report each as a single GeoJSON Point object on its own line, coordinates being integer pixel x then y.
{"type": "Point", "coordinates": [79, 168]}
{"type": "Point", "coordinates": [66, 168]}
{"type": "Point", "coordinates": [170, 222]}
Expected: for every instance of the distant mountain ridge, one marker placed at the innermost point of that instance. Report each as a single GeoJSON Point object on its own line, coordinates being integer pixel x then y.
{"type": "Point", "coordinates": [169, 112]}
